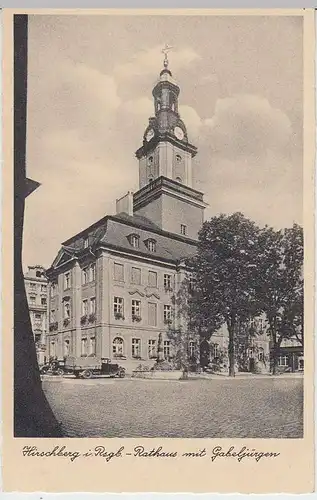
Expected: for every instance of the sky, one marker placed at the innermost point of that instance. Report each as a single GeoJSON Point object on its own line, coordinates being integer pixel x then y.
{"type": "Point", "coordinates": [90, 81]}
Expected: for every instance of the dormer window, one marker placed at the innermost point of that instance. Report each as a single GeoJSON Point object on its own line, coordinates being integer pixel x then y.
{"type": "Point", "coordinates": [86, 242]}
{"type": "Point", "coordinates": [178, 179]}
{"type": "Point", "coordinates": [178, 158]}
{"type": "Point", "coordinates": [134, 240]}
{"type": "Point", "coordinates": [151, 245]}
{"type": "Point", "coordinates": [150, 180]}
{"type": "Point", "coordinates": [150, 160]}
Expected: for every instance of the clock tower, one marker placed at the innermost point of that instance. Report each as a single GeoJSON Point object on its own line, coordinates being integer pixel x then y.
{"type": "Point", "coordinates": [165, 193]}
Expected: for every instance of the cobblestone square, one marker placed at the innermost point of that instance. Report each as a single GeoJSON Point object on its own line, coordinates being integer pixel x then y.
{"type": "Point", "coordinates": [240, 408]}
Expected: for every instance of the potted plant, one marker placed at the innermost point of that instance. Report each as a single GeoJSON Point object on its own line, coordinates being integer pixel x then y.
{"type": "Point", "coordinates": [118, 315]}
{"type": "Point", "coordinates": [136, 317]}
{"type": "Point", "coordinates": [92, 318]}
{"type": "Point", "coordinates": [83, 319]}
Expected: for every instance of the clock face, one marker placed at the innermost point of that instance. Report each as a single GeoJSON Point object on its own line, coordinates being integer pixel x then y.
{"type": "Point", "coordinates": [179, 133]}
{"type": "Point", "coordinates": [149, 135]}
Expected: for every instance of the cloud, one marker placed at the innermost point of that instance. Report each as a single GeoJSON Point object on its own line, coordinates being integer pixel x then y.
{"type": "Point", "coordinates": [248, 125]}
{"type": "Point", "coordinates": [148, 62]}
{"type": "Point", "coordinates": [191, 119]}
{"type": "Point", "coordinates": [210, 78]}
{"type": "Point", "coordinates": [142, 106]}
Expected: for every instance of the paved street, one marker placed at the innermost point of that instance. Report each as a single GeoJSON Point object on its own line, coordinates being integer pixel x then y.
{"type": "Point", "coordinates": [254, 408]}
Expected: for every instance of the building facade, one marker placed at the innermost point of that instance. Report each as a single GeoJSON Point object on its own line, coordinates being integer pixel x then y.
{"type": "Point", "coordinates": [113, 286]}
{"type": "Point", "coordinates": [36, 290]}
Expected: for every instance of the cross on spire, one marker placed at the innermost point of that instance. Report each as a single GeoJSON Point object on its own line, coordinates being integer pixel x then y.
{"type": "Point", "coordinates": [165, 51]}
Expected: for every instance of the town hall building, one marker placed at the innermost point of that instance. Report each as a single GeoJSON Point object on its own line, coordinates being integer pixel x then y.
{"type": "Point", "coordinates": [112, 287]}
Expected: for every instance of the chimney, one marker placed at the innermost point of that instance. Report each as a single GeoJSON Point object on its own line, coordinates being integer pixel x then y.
{"type": "Point", "coordinates": [125, 204]}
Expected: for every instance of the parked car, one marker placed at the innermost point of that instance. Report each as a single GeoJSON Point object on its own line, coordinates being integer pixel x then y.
{"type": "Point", "coordinates": [87, 367]}
{"type": "Point", "coordinates": [55, 367]}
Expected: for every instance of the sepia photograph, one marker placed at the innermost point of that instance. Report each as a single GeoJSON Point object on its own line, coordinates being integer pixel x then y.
{"type": "Point", "coordinates": [159, 228]}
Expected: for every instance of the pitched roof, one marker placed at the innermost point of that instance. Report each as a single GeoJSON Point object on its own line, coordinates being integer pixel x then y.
{"type": "Point", "coordinates": [113, 232]}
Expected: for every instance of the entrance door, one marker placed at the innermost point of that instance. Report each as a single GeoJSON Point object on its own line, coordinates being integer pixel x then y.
{"type": "Point", "coordinates": [251, 365]}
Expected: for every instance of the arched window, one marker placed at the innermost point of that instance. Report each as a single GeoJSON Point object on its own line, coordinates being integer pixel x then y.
{"type": "Point", "coordinates": [215, 350]}
{"type": "Point", "coordinates": [117, 347]}
{"type": "Point", "coordinates": [261, 354]}
{"type": "Point", "coordinates": [178, 158]}
{"type": "Point", "coordinates": [178, 179]}
{"type": "Point", "coordinates": [150, 160]}
{"type": "Point", "coordinates": [66, 347]}
{"type": "Point", "coordinates": [150, 179]}
{"type": "Point", "coordinates": [38, 274]}
{"type": "Point", "coordinates": [191, 349]}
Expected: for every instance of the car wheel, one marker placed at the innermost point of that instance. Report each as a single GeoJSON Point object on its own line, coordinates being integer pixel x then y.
{"type": "Point", "coordinates": [87, 374]}
{"type": "Point", "coordinates": [59, 372]}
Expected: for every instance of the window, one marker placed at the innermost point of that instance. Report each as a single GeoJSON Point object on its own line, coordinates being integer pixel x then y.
{"type": "Point", "coordinates": [136, 309]}
{"type": "Point", "coordinates": [117, 347]}
{"type": "Point", "coordinates": [178, 158]}
{"type": "Point", "coordinates": [283, 361]}
{"type": "Point", "coordinates": [43, 288]}
{"type": "Point", "coordinates": [215, 350]}
{"type": "Point", "coordinates": [178, 179]}
{"type": "Point", "coordinates": [84, 346]}
{"type": "Point", "coordinates": [93, 272]}
{"type": "Point", "coordinates": [152, 279]}
{"type": "Point", "coordinates": [136, 276]}
{"type": "Point", "coordinates": [85, 307]}
{"type": "Point", "coordinates": [66, 310]}
{"type": "Point", "coordinates": [85, 276]}
{"type": "Point", "coordinates": [135, 240]}
{"type": "Point", "coordinates": [261, 354]}
{"type": "Point", "coordinates": [66, 281]}
{"type": "Point", "coordinates": [86, 243]}
{"type": "Point", "coordinates": [92, 346]}
{"type": "Point", "coordinates": [53, 317]}
{"type": "Point", "coordinates": [136, 348]}
{"type": "Point", "coordinates": [167, 313]}
{"type": "Point", "coordinates": [38, 316]}
{"type": "Point", "coordinates": [32, 286]}
{"type": "Point", "coordinates": [66, 347]}
{"type": "Point", "coordinates": [52, 349]}
{"type": "Point", "coordinates": [118, 272]}
{"type": "Point", "coordinates": [38, 274]}
{"type": "Point", "coordinates": [152, 314]}
{"type": "Point", "coordinates": [32, 299]}
{"type": "Point", "coordinates": [166, 349]}
{"type": "Point", "coordinates": [167, 281]}
{"type": "Point", "coordinates": [191, 349]}
{"type": "Point", "coordinates": [150, 179]}
{"type": "Point", "coordinates": [43, 301]}
{"type": "Point", "coordinates": [152, 349]}
{"type": "Point", "coordinates": [93, 305]}
{"type": "Point", "coordinates": [150, 160]}
{"type": "Point", "coordinates": [53, 289]}
{"type": "Point", "coordinates": [151, 245]}
{"type": "Point", "coordinates": [118, 307]}
{"type": "Point", "coordinates": [183, 229]}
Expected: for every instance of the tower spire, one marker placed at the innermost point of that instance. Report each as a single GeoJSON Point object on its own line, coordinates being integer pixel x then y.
{"type": "Point", "coordinates": [165, 51]}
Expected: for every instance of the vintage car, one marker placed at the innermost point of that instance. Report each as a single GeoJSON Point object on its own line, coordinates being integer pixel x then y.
{"type": "Point", "coordinates": [87, 367]}
{"type": "Point", "coordinates": [55, 367]}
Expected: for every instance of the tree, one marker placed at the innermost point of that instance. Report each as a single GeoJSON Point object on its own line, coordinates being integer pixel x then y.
{"type": "Point", "coordinates": [280, 284]}
{"type": "Point", "coordinates": [223, 278]}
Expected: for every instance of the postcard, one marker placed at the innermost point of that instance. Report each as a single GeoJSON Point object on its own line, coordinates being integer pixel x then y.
{"type": "Point", "coordinates": [158, 250]}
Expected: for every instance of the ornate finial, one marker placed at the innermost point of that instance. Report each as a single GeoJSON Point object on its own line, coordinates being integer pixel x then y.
{"type": "Point", "coordinates": [165, 51]}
